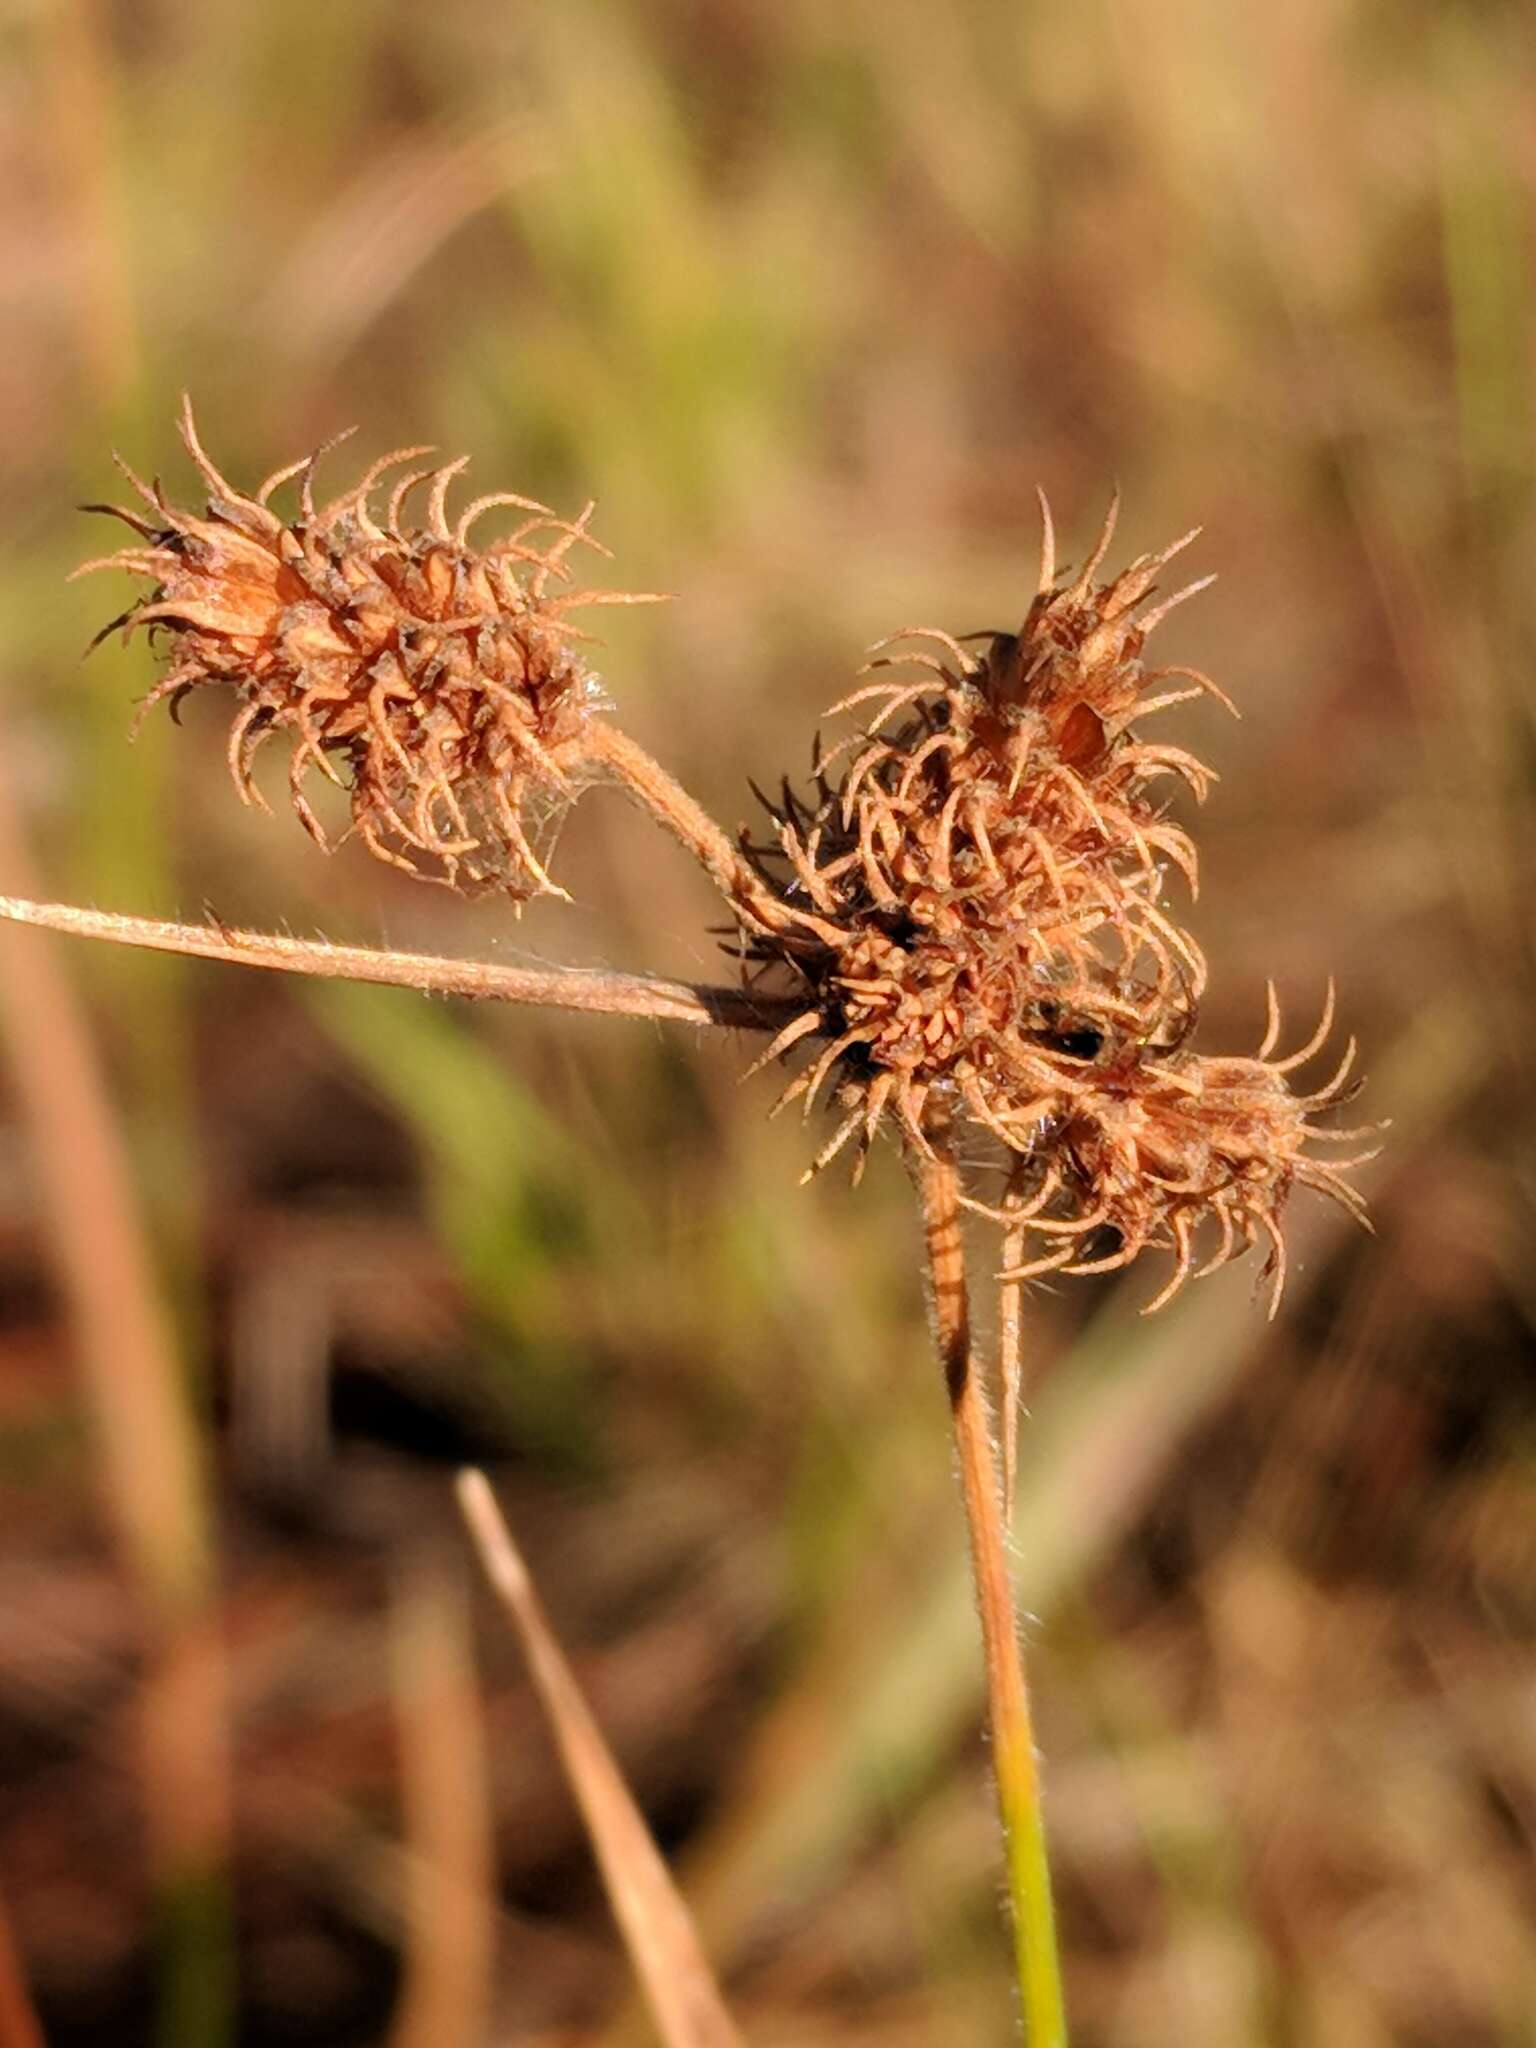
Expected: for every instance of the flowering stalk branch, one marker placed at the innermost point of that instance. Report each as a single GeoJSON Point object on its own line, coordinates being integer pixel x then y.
{"type": "Point", "coordinates": [1013, 1747]}
{"type": "Point", "coordinates": [663, 796]}
{"type": "Point", "coordinates": [559, 988]}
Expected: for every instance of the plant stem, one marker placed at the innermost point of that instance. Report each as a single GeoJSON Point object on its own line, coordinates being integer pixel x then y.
{"type": "Point", "coordinates": [559, 988]}
{"type": "Point", "coordinates": [660, 793]}
{"type": "Point", "coordinates": [1013, 1748]}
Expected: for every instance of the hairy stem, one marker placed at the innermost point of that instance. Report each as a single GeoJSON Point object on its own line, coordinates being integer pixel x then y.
{"type": "Point", "coordinates": [559, 988]}
{"type": "Point", "coordinates": [1013, 1747]}
{"type": "Point", "coordinates": [660, 793]}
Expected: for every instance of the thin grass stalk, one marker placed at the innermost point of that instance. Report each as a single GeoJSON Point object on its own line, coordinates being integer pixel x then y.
{"type": "Point", "coordinates": [557, 988]}
{"type": "Point", "coordinates": [1015, 1770]}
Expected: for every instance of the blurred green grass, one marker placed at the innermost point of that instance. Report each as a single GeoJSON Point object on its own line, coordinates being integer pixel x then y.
{"type": "Point", "coordinates": [810, 301]}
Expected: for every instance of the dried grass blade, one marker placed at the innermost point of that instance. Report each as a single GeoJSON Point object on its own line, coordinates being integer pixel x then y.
{"type": "Point", "coordinates": [658, 1929]}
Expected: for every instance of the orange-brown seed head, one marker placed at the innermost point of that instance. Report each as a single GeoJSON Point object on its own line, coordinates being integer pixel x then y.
{"type": "Point", "coordinates": [1196, 1154]}
{"type": "Point", "coordinates": [433, 680]}
{"type": "Point", "coordinates": [973, 911]}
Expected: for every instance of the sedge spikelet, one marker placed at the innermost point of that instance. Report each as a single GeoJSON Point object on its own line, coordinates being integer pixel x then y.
{"type": "Point", "coordinates": [434, 680]}
{"type": "Point", "coordinates": [973, 910]}
{"type": "Point", "coordinates": [1184, 1152]}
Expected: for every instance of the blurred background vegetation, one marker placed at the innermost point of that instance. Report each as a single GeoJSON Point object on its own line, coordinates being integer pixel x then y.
{"type": "Point", "coordinates": [810, 298]}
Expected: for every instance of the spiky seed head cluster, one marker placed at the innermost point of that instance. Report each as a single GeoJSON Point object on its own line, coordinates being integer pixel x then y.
{"type": "Point", "coordinates": [432, 679]}
{"type": "Point", "coordinates": [969, 901]}
{"type": "Point", "coordinates": [973, 908]}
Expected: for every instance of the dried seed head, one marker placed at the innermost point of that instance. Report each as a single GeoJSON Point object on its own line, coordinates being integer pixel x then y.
{"type": "Point", "coordinates": [1187, 1152]}
{"type": "Point", "coordinates": [979, 894]}
{"type": "Point", "coordinates": [974, 913]}
{"type": "Point", "coordinates": [432, 679]}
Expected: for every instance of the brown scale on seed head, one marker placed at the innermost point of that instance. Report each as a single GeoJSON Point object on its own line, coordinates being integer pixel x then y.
{"type": "Point", "coordinates": [973, 911]}
{"type": "Point", "coordinates": [431, 679]}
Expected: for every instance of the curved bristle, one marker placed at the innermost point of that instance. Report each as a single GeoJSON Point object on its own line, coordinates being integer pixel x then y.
{"type": "Point", "coordinates": [1047, 578]}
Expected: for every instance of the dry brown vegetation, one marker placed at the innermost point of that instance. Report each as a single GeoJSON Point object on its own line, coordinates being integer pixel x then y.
{"type": "Point", "coordinates": [810, 304]}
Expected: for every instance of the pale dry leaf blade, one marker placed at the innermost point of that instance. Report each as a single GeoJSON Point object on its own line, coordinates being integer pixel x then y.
{"type": "Point", "coordinates": [658, 1929]}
